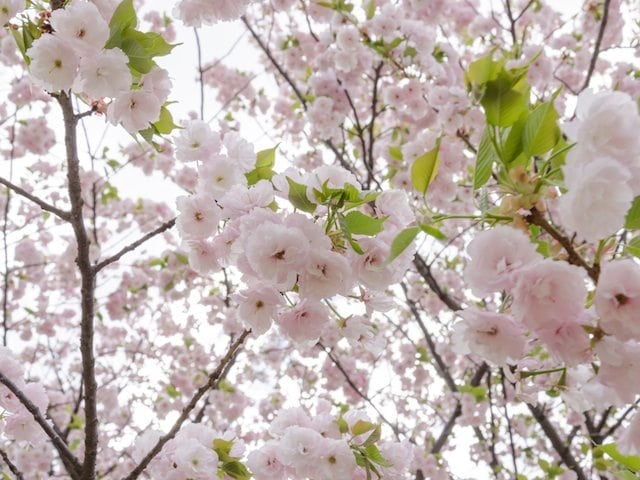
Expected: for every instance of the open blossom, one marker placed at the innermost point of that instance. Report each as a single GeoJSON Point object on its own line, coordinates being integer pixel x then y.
{"type": "Point", "coordinates": [81, 25]}
{"type": "Point", "coordinates": [607, 124]}
{"type": "Point", "coordinates": [549, 293]}
{"type": "Point", "coordinates": [218, 174]}
{"type": "Point", "coordinates": [53, 63]}
{"type": "Point", "coordinates": [258, 306]}
{"type": "Point", "coordinates": [104, 74]}
{"type": "Point", "coordinates": [568, 342]}
{"type": "Point", "coordinates": [157, 83]}
{"type": "Point", "coordinates": [264, 463]}
{"type": "Point", "coordinates": [336, 461]}
{"type": "Point", "coordinates": [494, 337]}
{"type": "Point", "coordinates": [496, 255]}
{"type": "Point", "coordinates": [305, 321]}
{"type": "Point", "coordinates": [619, 367]}
{"type": "Point", "coordinates": [617, 299]}
{"type": "Point", "coordinates": [275, 253]}
{"type": "Point", "coordinates": [196, 12]}
{"type": "Point", "coordinates": [301, 449]}
{"type": "Point", "coordinates": [325, 274]}
{"type": "Point", "coordinates": [135, 110]}
{"type": "Point", "coordinates": [598, 198]}
{"type": "Point", "coordinates": [9, 9]}
{"type": "Point", "coordinates": [196, 142]}
{"type": "Point", "coordinates": [195, 460]}
{"type": "Point", "coordinates": [199, 216]}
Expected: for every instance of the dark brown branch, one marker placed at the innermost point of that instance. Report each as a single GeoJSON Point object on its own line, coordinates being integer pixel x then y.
{"type": "Point", "coordinates": [87, 289]}
{"type": "Point", "coordinates": [114, 258]}
{"type": "Point", "coordinates": [563, 451]}
{"type": "Point", "coordinates": [425, 271]}
{"type": "Point", "coordinates": [66, 216]}
{"type": "Point", "coordinates": [73, 465]}
{"type": "Point", "coordinates": [448, 427]}
{"type": "Point", "coordinates": [12, 467]}
{"type": "Point", "coordinates": [509, 428]}
{"type": "Point", "coordinates": [213, 380]}
{"type": "Point", "coordinates": [596, 48]}
{"type": "Point", "coordinates": [536, 218]}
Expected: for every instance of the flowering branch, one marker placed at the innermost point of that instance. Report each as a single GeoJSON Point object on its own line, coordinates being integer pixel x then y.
{"type": "Point", "coordinates": [213, 380]}
{"type": "Point", "coordinates": [74, 467]}
{"type": "Point", "coordinates": [12, 467]}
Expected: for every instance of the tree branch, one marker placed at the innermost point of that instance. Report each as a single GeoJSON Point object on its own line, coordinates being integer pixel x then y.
{"type": "Point", "coordinates": [563, 451]}
{"type": "Point", "coordinates": [213, 380]}
{"type": "Point", "coordinates": [596, 48]}
{"type": "Point", "coordinates": [87, 289]}
{"type": "Point", "coordinates": [66, 216]}
{"type": "Point", "coordinates": [12, 467]}
{"type": "Point", "coordinates": [71, 462]}
{"type": "Point", "coordinates": [114, 258]}
{"type": "Point", "coordinates": [536, 218]}
{"type": "Point", "coordinates": [425, 271]}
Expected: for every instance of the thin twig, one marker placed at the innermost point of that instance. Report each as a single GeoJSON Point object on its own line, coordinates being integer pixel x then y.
{"type": "Point", "coordinates": [18, 474]}
{"type": "Point", "coordinates": [596, 48]}
{"type": "Point", "coordinates": [132, 246]}
{"type": "Point", "coordinates": [213, 380]}
{"type": "Point", "coordinates": [66, 216]}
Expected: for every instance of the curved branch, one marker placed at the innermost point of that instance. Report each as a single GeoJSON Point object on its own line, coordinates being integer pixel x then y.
{"type": "Point", "coordinates": [66, 216]}
{"type": "Point", "coordinates": [114, 258]}
{"type": "Point", "coordinates": [213, 380]}
{"type": "Point", "coordinates": [425, 271]}
{"type": "Point", "coordinates": [67, 457]}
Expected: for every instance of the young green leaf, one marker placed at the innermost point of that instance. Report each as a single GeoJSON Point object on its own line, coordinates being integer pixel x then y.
{"type": "Point", "coordinates": [401, 243]}
{"type": "Point", "coordinates": [629, 461]}
{"type": "Point", "coordinates": [298, 197]}
{"type": "Point", "coordinates": [265, 160]}
{"type": "Point", "coordinates": [358, 223]}
{"type": "Point", "coordinates": [487, 156]}
{"type": "Point", "coordinates": [632, 221]}
{"type": "Point", "coordinates": [425, 169]}
{"type": "Point", "coordinates": [541, 131]}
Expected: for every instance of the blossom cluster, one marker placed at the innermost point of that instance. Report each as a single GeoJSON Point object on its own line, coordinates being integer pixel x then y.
{"type": "Point", "coordinates": [324, 447]}
{"type": "Point", "coordinates": [548, 298]}
{"type": "Point", "coordinates": [279, 251]}
{"type": "Point", "coordinates": [74, 56]}
{"type": "Point", "coordinates": [602, 171]}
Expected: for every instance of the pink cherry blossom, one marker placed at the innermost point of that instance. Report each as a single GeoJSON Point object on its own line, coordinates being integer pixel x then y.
{"type": "Point", "coordinates": [135, 110]}
{"type": "Point", "coordinates": [81, 25]}
{"type": "Point", "coordinates": [104, 74]}
{"type": "Point", "coordinates": [494, 337]}
{"type": "Point", "coordinates": [617, 299]}
{"type": "Point", "coordinates": [496, 256]}
{"type": "Point", "coordinates": [53, 63]}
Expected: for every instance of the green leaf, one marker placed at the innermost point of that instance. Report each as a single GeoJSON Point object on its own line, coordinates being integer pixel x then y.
{"type": "Point", "coordinates": [371, 9]}
{"type": "Point", "coordinates": [401, 243]}
{"type": "Point", "coordinates": [434, 232]}
{"type": "Point", "coordinates": [633, 247]}
{"type": "Point", "coordinates": [512, 145]}
{"type": "Point", "coordinates": [483, 70]}
{"type": "Point", "coordinates": [425, 169]}
{"type": "Point", "coordinates": [395, 152]}
{"type": "Point", "coordinates": [358, 223]}
{"type": "Point", "coordinates": [298, 197]}
{"type": "Point", "coordinates": [362, 426]}
{"type": "Point", "coordinates": [487, 156]}
{"type": "Point", "coordinates": [165, 124]}
{"type": "Point", "coordinates": [629, 461]}
{"type": "Point", "coordinates": [541, 132]}
{"type": "Point", "coordinates": [373, 454]}
{"type": "Point", "coordinates": [265, 161]}
{"type": "Point", "coordinates": [172, 391]}
{"type": "Point", "coordinates": [236, 470]}
{"type": "Point", "coordinates": [478, 392]}
{"type": "Point", "coordinates": [632, 221]}
{"type": "Point", "coordinates": [124, 16]}
{"type": "Point", "coordinates": [373, 437]}
{"type": "Point", "coordinates": [505, 99]}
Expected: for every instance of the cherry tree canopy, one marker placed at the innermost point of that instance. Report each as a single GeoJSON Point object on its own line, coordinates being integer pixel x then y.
{"type": "Point", "coordinates": [424, 267]}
